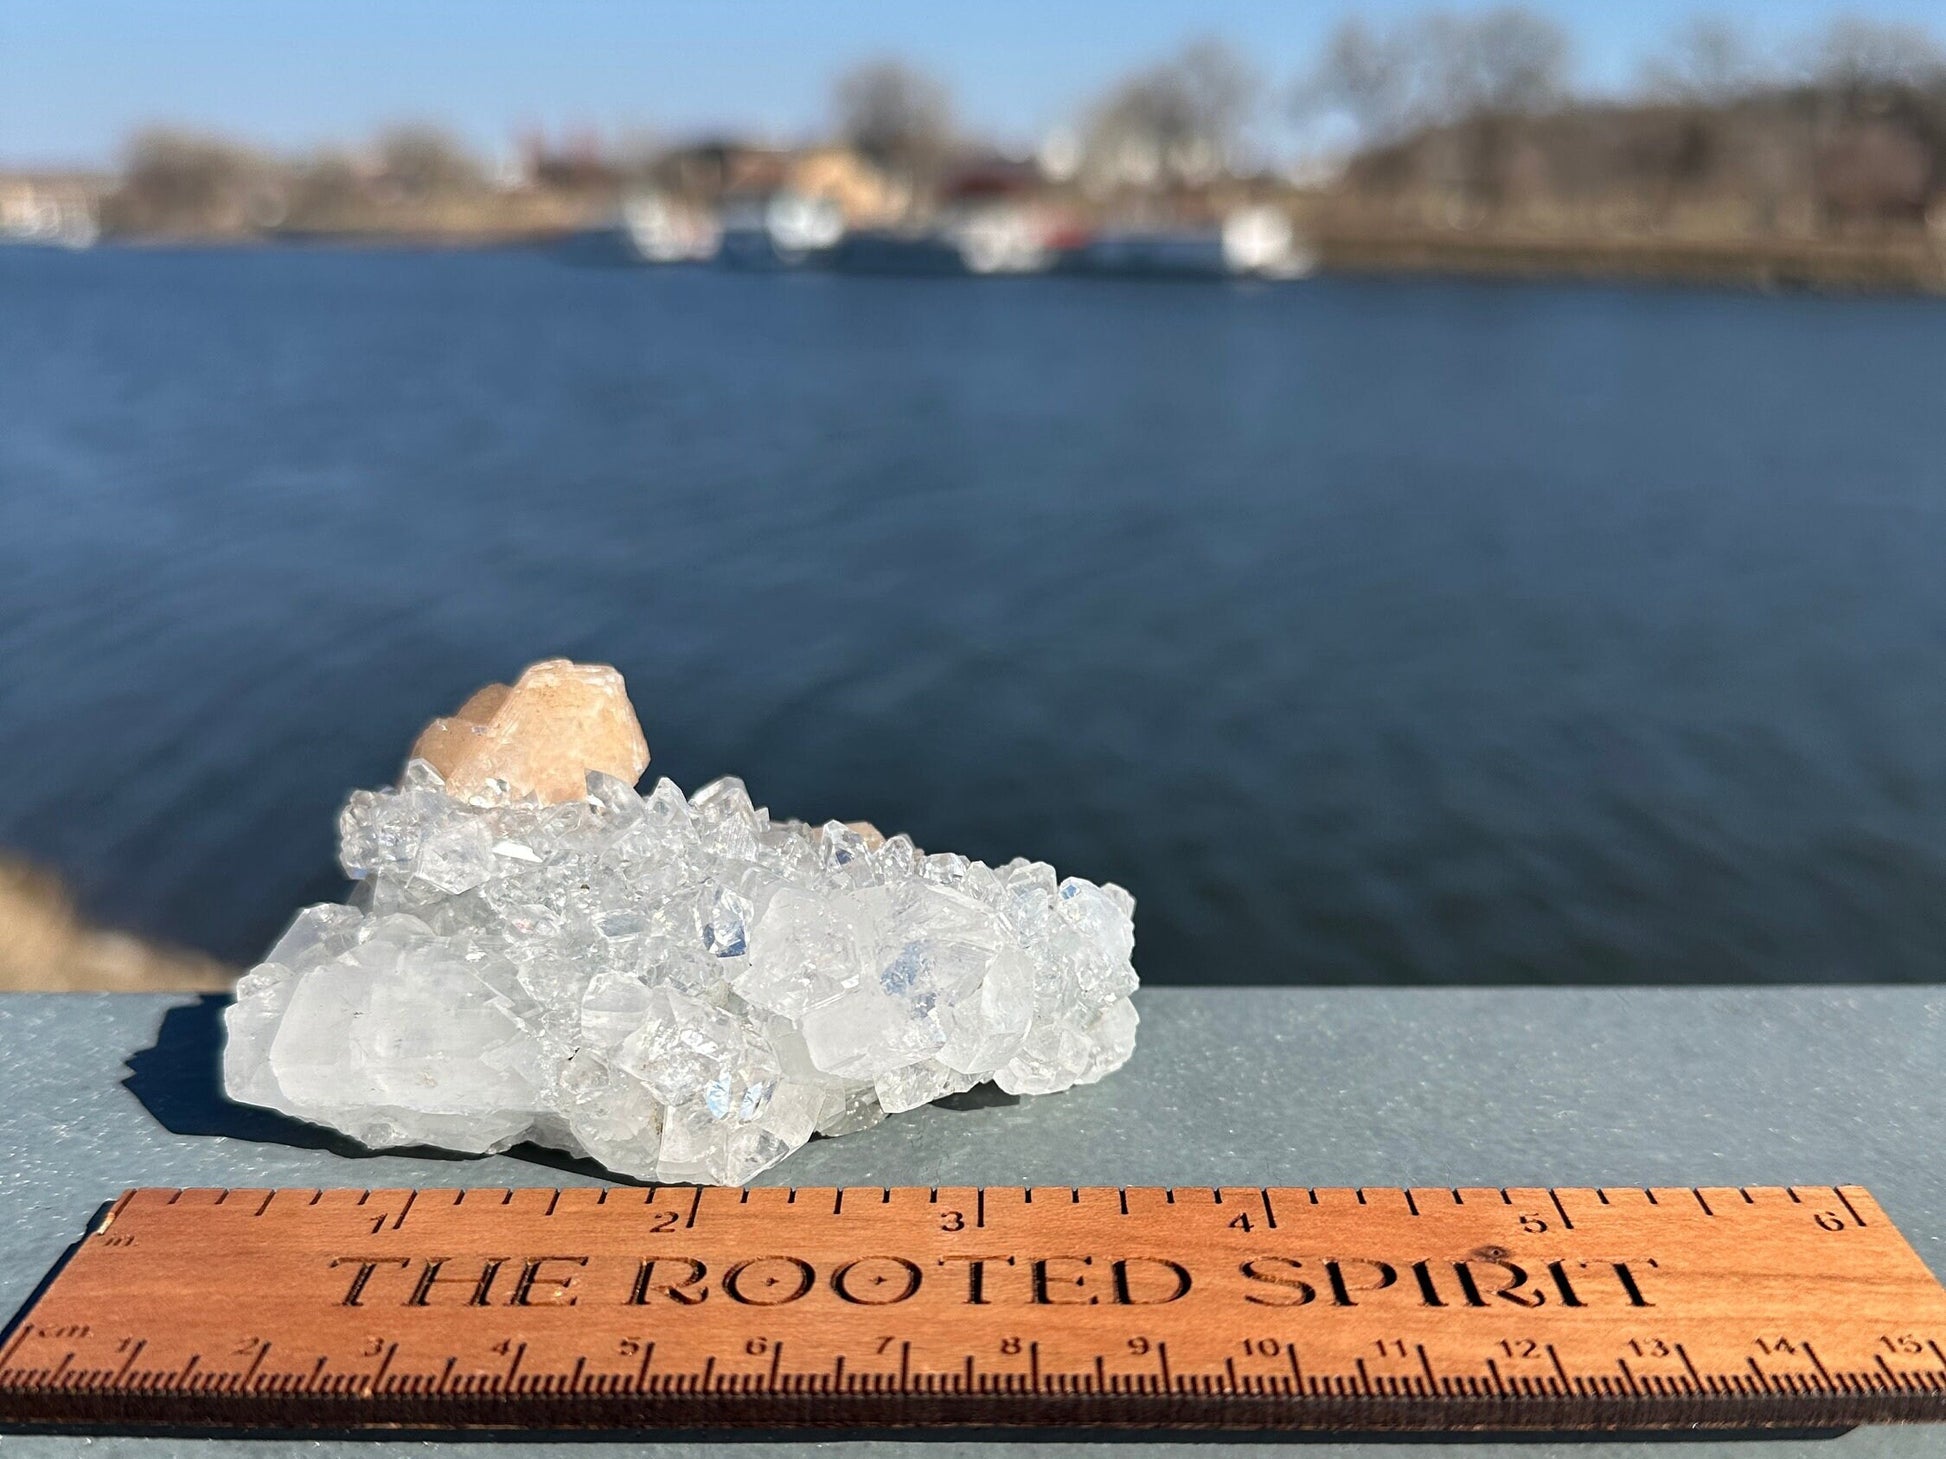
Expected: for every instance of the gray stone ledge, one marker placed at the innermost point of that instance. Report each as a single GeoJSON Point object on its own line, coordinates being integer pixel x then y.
{"type": "Point", "coordinates": [1484, 1086]}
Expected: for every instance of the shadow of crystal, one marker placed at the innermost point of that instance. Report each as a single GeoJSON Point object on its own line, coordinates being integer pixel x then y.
{"type": "Point", "coordinates": [980, 1096]}
{"type": "Point", "coordinates": [179, 1080]}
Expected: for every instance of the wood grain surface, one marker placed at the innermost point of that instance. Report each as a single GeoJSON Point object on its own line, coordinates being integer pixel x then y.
{"type": "Point", "coordinates": [627, 1308]}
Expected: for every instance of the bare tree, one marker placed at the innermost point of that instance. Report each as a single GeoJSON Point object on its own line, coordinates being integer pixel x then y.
{"type": "Point", "coordinates": [1855, 55]}
{"type": "Point", "coordinates": [898, 116]}
{"type": "Point", "coordinates": [425, 162]}
{"type": "Point", "coordinates": [1182, 121]}
{"type": "Point", "coordinates": [188, 183]}
{"type": "Point", "coordinates": [1372, 77]}
{"type": "Point", "coordinates": [1437, 69]}
{"type": "Point", "coordinates": [1881, 124]}
{"type": "Point", "coordinates": [1708, 61]}
{"type": "Point", "coordinates": [1470, 77]}
{"type": "Point", "coordinates": [1505, 62]}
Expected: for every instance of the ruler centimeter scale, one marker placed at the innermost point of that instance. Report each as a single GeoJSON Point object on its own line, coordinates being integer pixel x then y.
{"type": "Point", "coordinates": [619, 1308]}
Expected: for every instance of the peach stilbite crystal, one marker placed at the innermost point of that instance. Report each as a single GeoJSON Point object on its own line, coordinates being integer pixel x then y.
{"type": "Point", "coordinates": [874, 838]}
{"type": "Point", "coordinates": [542, 736]}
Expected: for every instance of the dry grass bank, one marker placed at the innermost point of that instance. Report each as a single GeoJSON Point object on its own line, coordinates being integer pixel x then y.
{"type": "Point", "coordinates": [45, 946]}
{"type": "Point", "coordinates": [1899, 265]}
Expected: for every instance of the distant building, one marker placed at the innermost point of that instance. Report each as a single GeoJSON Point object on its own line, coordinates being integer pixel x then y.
{"type": "Point", "coordinates": [866, 196]}
{"type": "Point", "coordinates": [709, 171]}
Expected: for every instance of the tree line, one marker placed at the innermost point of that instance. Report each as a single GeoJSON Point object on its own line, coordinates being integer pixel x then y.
{"type": "Point", "coordinates": [1451, 119]}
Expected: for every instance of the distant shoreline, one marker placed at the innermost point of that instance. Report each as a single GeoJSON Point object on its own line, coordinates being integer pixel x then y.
{"type": "Point", "coordinates": [1905, 265]}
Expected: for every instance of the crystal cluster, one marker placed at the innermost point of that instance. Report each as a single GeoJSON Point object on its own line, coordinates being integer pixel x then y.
{"type": "Point", "coordinates": [680, 989]}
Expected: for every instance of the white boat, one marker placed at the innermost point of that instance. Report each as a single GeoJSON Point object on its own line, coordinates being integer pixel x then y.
{"type": "Point", "coordinates": [781, 229]}
{"type": "Point", "coordinates": [1002, 239]}
{"type": "Point", "coordinates": [1260, 242]}
{"type": "Point", "coordinates": [648, 228]}
{"type": "Point", "coordinates": [47, 217]}
{"type": "Point", "coordinates": [1256, 242]}
{"type": "Point", "coordinates": [659, 229]}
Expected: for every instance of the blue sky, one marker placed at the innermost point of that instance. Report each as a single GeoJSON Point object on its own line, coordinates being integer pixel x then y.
{"type": "Point", "coordinates": [77, 75]}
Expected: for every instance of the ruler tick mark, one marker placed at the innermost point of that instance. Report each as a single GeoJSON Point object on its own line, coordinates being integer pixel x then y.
{"type": "Point", "coordinates": [390, 1353]}
{"type": "Point", "coordinates": [134, 1353]}
{"type": "Point", "coordinates": [1567, 1223]}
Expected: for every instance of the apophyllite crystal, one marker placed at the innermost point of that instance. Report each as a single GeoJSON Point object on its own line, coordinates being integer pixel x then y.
{"type": "Point", "coordinates": [683, 989]}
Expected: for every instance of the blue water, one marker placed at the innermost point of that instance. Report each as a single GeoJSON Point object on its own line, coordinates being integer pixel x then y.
{"type": "Point", "coordinates": [1373, 631]}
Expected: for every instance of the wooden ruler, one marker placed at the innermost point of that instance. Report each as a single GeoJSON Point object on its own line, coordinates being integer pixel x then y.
{"type": "Point", "coordinates": [1285, 1307]}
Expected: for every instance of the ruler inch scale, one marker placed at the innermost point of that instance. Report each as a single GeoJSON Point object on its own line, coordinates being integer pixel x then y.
{"type": "Point", "coordinates": [627, 1308]}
